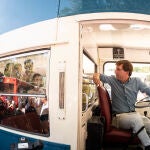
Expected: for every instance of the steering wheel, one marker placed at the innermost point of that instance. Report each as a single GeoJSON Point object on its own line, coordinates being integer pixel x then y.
{"type": "Point", "coordinates": [144, 102]}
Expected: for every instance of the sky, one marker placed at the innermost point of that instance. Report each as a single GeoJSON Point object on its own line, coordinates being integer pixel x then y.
{"type": "Point", "coordinates": [19, 13]}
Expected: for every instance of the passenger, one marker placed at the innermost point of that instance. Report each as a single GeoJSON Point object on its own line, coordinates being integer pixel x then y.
{"type": "Point", "coordinates": [10, 105]}
{"type": "Point", "coordinates": [124, 90]}
{"type": "Point", "coordinates": [28, 66]}
{"type": "Point", "coordinates": [17, 72]}
{"type": "Point", "coordinates": [21, 103]}
{"type": "Point", "coordinates": [9, 69]}
{"type": "Point", "coordinates": [29, 106]}
{"type": "Point", "coordinates": [44, 109]}
{"type": "Point", "coordinates": [44, 115]}
{"type": "Point", "coordinates": [33, 103]}
{"type": "Point", "coordinates": [37, 81]}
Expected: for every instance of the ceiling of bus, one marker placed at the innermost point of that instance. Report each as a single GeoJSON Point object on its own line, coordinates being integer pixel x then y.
{"type": "Point", "coordinates": [127, 34]}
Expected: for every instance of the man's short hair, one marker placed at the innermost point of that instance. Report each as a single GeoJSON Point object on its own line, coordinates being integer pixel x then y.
{"type": "Point", "coordinates": [126, 65]}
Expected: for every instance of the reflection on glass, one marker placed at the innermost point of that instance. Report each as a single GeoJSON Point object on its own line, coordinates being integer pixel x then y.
{"type": "Point", "coordinates": [23, 100]}
{"type": "Point", "coordinates": [31, 114]}
{"type": "Point", "coordinates": [24, 73]}
{"type": "Point", "coordinates": [89, 90]}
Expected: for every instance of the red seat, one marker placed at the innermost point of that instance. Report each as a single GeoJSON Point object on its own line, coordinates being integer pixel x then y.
{"type": "Point", "coordinates": [28, 122]}
{"type": "Point", "coordinates": [112, 134]}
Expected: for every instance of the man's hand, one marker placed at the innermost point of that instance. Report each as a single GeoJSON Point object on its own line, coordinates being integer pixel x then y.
{"type": "Point", "coordinates": [96, 78]}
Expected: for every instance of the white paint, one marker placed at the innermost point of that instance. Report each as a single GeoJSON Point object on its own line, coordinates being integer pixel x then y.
{"type": "Point", "coordinates": [63, 36]}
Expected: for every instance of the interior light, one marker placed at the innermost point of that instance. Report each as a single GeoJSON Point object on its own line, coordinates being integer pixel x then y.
{"type": "Point", "coordinates": [106, 27]}
{"type": "Point", "coordinates": [137, 26]}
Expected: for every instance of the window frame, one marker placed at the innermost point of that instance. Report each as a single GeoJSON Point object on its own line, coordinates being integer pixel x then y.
{"type": "Point", "coordinates": [19, 55]}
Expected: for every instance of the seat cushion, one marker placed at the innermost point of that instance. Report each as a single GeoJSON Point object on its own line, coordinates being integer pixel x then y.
{"type": "Point", "coordinates": [119, 135]}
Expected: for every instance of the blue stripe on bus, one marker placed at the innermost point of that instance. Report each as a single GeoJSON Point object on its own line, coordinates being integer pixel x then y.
{"type": "Point", "coordinates": [73, 7]}
{"type": "Point", "coordinates": [8, 138]}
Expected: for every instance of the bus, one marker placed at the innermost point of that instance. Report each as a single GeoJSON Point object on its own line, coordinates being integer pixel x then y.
{"type": "Point", "coordinates": [51, 63]}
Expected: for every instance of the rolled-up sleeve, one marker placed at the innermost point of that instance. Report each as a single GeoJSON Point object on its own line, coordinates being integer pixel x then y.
{"type": "Point", "coordinates": [106, 79]}
{"type": "Point", "coordinates": [143, 87]}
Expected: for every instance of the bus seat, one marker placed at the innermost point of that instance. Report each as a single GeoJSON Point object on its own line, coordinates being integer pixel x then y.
{"type": "Point", "coordinates": [3, 110]}
{"type": "Point", "coordinates": [112, 134]}
{"type": "Point", "coordinates": [34, 122]}
{"type": "Point", "coordinates": [28, 122]}
{"type": "Point", "coordinates": [18, 122]}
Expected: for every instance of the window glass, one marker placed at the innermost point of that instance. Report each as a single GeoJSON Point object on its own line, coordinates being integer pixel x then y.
{"type": "Point", "coordinates": [27, 71]}
{"type": "Point", "coordinates": [88, 65]}
{"type": "Point", "coordinates": [141, 70]}
{"type": "Point", "coordinates": [23, 98]}
{"type": "Point", "coordinates": [89, 94]}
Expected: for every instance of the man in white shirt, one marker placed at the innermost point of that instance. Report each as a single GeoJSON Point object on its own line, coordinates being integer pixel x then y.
{"type": "Point", "coordinates": [44, 109]}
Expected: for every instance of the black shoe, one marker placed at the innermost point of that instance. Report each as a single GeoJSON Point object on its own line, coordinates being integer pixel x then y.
{"type": "Point", "coordinates": [147, 147]}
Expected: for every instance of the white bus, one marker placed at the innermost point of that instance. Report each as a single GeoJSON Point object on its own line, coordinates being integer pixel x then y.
{"type": "Point", "coordinates": [51, 62]}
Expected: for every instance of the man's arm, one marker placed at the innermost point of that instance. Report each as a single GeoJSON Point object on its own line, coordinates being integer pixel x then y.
{"type": "Point", "coordinates": [96, 78]}
{"type": "Point", "coordinates": [143, 87]}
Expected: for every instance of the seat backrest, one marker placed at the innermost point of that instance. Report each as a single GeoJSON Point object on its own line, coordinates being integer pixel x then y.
{"type": "Point", "coordinates": [28, 122]}
{"type": "Point", "coordinates": [112, 134]}
{"type": "Point", "coordinates": [105, 106]}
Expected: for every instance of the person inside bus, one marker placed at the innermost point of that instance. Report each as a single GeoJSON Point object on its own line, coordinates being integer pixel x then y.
{"type": "Point", "coordinates": [37, 82]}
{"type": "Point", "coordinates": [28, 66]}
{"type": "Point", "coordinates": [10, 104]}
{"type": "Point", "coordinates": [17, 72]}
{"type": "Point", "coordinates": [44, 115]}
{"type": "Point", "coordinates": [44, 109]}
{"type": "Point", "coordinates": [9, 69]}
{"type": "Point", "coordinates": [124, 90]}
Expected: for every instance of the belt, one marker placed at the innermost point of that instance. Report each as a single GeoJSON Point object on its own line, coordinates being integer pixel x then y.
{"type": "Point", "coordinates": [114, 113]}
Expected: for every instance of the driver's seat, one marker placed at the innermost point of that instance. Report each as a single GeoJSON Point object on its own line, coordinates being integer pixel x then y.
{"type": "Point", "coordinates": [112, 134]}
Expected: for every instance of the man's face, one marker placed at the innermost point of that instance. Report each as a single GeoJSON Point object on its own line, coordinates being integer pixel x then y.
{"type": "Point", "coordinates": [38, 81]}
{"type": "Point", "coordinates": [43, 100]}
{"type": "Point", "coordinates": [120, 73]}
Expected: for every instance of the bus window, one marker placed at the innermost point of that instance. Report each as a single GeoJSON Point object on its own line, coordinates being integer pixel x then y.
{"type": "Point", "coordinates": [88, 87]}
{"type": "Point", "coordinates": [88, 65]}
{"type": "Point", "coordinates": [140, 70]}
{"type": "Point", "coordinates": [23, 98]}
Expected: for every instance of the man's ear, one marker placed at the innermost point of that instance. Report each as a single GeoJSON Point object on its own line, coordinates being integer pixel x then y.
{"type": "Point", "coordinates": [128, 73]}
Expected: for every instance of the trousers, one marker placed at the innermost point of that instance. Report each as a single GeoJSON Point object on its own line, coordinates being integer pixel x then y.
{"type": "Point", "coordinates": [134, 121]}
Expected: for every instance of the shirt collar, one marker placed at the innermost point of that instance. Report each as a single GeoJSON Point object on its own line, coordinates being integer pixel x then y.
{"type": "Point", "coordinates": [126, 81]}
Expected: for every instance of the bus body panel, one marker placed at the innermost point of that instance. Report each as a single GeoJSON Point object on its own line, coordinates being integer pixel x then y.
{"type": "Point", "coordinates": [63, 36]}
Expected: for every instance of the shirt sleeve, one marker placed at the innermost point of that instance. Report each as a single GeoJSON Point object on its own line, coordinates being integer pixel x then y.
{"type": "Point", "coordinates": [106, 79]}
{"type": "Point", "coordinates": [143, 87]}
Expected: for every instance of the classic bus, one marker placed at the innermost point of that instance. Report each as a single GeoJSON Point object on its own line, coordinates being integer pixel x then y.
{"type": "Point", "coordinates": [57, 58]}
